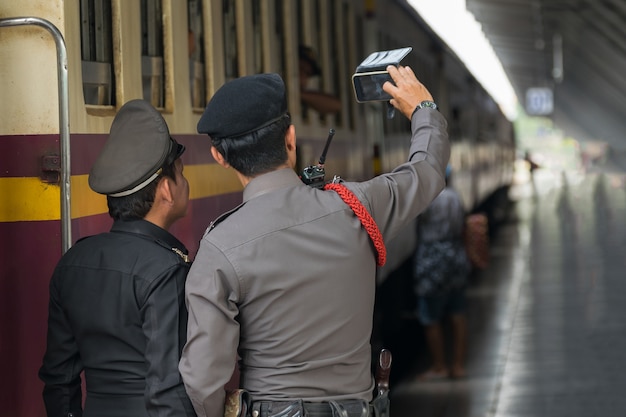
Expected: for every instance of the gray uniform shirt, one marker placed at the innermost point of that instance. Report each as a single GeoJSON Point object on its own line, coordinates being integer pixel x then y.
{"type": "Point", "coordinates": [287, 280]}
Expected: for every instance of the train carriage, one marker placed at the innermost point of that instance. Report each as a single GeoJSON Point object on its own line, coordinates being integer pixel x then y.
{"type": "Point", "coordinates": [175, 54]}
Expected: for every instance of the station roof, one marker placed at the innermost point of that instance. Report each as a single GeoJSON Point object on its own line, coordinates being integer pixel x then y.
{"type": "Point", "coordinates": [575, 49]}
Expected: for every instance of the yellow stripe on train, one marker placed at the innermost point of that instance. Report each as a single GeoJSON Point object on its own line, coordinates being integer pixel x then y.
{"type": "Point", "coordinates": [30, 199]}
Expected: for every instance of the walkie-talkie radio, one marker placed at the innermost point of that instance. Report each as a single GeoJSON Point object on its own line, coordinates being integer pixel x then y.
{"type": "Point", "coordinates": [313, 175]}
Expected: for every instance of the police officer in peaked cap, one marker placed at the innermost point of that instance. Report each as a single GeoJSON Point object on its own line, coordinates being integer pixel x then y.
{"type": "Point", "coordinates": [116, 309]}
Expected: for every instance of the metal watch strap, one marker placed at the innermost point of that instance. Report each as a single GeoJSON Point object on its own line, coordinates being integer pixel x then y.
{"type": "Point", "coordinates": [425, 103]}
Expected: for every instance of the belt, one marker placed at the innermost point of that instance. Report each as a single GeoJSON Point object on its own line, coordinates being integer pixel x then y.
{"type": "Point", "coordinates": [345, 408]}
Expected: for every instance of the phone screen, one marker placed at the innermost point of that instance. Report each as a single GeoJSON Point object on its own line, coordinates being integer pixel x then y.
{"type": "Point", "coordinates": [368, 86]}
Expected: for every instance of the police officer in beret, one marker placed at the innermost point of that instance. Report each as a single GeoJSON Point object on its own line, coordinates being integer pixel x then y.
{"type": "Point", "coordinates": [117, 307]}
{"type": "Point", "coordinates": [286, 280]}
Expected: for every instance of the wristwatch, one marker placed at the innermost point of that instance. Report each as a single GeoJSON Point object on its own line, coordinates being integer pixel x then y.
{"type": "Point", "coordinates": [425, 103]}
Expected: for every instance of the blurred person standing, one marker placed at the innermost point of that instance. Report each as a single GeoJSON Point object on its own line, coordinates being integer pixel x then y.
{"type": "Point", "coordinates": [441, 271]}
{"type": "Point", "coordinates": [117, 307]}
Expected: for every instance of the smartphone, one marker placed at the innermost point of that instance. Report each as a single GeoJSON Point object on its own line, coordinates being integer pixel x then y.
{"type": "Point", "coordinates": [371, 74]}
{"type": "Point", "coordinates": [368, 86]}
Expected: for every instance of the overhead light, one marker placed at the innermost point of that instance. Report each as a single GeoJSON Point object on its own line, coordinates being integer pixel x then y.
{"type": "Point", "coordinates": [557, 57]}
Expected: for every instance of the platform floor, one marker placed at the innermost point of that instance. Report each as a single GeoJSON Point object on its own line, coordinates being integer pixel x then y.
{"type": "Point", "coordinates": [547, 319]}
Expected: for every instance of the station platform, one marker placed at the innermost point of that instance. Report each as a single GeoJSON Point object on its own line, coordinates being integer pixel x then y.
{"type": "Point", "coordinates": [547, 318]}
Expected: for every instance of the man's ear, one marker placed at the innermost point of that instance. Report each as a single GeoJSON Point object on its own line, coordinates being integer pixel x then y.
{"type": "Point", "coordinates": [164, 190]}
{"type": "Point", "coordinates": [290, 138]}
{"type": "Point", "coordinates": [219, 158]}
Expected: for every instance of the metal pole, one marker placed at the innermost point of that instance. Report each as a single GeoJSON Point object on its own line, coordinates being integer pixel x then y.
{"type": "Point", "coordinates": [64, 120]}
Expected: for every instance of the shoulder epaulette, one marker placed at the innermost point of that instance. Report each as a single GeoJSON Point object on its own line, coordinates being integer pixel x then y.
{"type": "Point", "coordinates": [177, 251]}
{"type": "Point", "coordinates": [222, 217]}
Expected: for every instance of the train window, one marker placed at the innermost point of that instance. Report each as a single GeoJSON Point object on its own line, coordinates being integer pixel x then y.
{"type": "Point", "coordinates": [230, 39]}
{"type": "Point", "coordinates": [360, 53]}
{"type": "Point", "coordinates": [278, 59]}
{"type": "Point", "coordinates": [319, 29]}
{"type": "Point", "coordinates": [316, 36]}
{"type": "Point", "coordinates": [257, 32]}
{"type": "Point", "coordinates": [197, 77]}
{"type": "Point", "coordinates": [301, 22]}
{"type": "Point", "coordinates": [301, 41]}
{"type": "Point", "coordinates": [97, 52]}
{"type": "Point", "coordinates": [334, 34]}
{"type": "Point", "coordinates": [347, 29]}
{"type": "Point", "coordinates": [152, 61]}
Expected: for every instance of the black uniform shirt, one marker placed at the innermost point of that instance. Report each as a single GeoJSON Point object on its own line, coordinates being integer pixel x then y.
{"type": "Point", "coordinates": [117, 312]}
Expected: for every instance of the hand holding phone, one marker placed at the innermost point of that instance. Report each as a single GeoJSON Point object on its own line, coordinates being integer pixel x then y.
{"type": "Point", "coordinates": [409, 93]}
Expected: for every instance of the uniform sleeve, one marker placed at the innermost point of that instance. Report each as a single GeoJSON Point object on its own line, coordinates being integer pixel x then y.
{"type": "Point", "coordinates": [62, 364]}
{"type": "Point", "coordinates": [429, 140]}
{"type": "Point", "coordinates": [164, 326]}
{"type": "Point", "coordinates": [209, 357]}
{"type": "Point", "coordinates": [400, 196]}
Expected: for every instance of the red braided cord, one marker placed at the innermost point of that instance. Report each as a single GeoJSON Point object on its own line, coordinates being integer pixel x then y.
{"type": "Point", "coordinates": [366, 219]}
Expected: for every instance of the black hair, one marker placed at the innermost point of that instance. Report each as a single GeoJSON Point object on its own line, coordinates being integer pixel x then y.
{"type": "Point", "coordinates": [258, 152]}
{"type": "Point", "coordinates": [137, 205]}
{"type": "Point", "coordinates": [307, 54]}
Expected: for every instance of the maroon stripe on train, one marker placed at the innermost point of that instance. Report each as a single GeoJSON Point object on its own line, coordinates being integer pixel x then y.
{"type": "Point", "coordinates": [22, 155]}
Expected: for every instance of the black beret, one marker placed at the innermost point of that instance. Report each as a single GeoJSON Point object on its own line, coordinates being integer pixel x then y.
{"type": "Point", "coordinates": [244, 105]}
{"type": "Point", "coordinates": [138, 146]}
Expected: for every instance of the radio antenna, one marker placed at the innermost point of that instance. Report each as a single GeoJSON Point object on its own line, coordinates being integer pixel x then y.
{"type": "Point", "coordinates": [314, 175]}
{"type": "Point", "coordinates": [331, 133]}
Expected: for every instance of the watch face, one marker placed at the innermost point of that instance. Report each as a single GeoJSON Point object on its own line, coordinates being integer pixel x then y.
{"type": "Point", "coordinates": [428, 104]}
